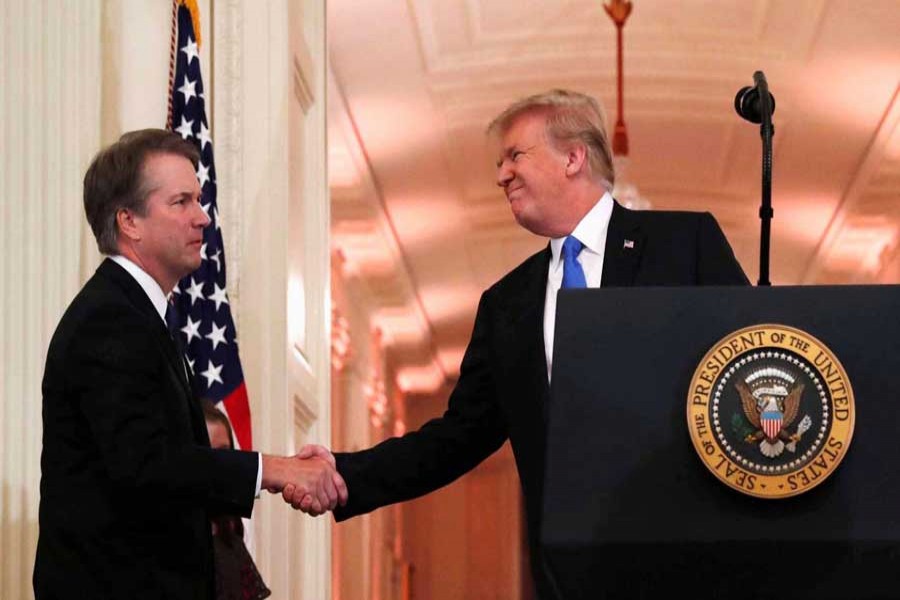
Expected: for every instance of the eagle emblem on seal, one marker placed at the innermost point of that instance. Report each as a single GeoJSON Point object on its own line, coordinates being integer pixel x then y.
{"type": "Point", "coordinates": [770, 399]}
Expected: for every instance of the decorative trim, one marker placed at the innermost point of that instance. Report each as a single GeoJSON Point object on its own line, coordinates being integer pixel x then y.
{"type": "Point", "coordinates": [341, 349]}
{"type": "Point", "coordinates": [303, 79]}
{"type": "Point", "coordinates": [376, 398]}
{"type": "Point", "coordinates": [863, 176]}
{"type": "Point", "coordinates": [304, 416]}
{"type": "Point", "coordinates": [227, 121]}
{"type": "Point", "coordinates": [374, 389]}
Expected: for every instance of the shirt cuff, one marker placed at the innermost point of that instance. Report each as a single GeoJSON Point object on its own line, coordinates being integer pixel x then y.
{"type": "Point", "coordinates": [258, 475]}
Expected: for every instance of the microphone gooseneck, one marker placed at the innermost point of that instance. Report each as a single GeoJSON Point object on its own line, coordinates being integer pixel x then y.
{"type": "Point", "coordinates": [756, 104]}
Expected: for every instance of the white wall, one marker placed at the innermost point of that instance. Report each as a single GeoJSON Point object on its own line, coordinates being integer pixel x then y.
{"type": "Point", "coordinates": [49, 129]}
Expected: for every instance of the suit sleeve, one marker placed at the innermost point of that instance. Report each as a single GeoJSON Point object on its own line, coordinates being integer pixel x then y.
{"type": "Point", "coordinates": [716, 263]}
{"type": "Point", "coordinates": [470, 430]}
{"type": "Point", "coordinates": [117, 373]}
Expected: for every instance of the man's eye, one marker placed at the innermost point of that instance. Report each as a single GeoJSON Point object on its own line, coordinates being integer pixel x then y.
{"type": "Point", "coordinates": [517, 154]}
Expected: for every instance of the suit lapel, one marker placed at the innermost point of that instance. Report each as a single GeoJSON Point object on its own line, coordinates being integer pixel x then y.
{"type": "Point", "coordinates": [624, 246]}
{"type": "Point", "coordinates": [527, 304]}
{"type": "Point", "coordinates": [138, 298]}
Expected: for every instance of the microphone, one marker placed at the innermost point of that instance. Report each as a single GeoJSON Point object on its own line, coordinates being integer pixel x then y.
{"type": "Point", "coordinates": [756, 105]}
{"type": "Point", "coordinates": [748, 102]}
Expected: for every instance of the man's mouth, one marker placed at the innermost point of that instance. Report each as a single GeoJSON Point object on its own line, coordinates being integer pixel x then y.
{"type": "Point", "coordinates": [511, 191]}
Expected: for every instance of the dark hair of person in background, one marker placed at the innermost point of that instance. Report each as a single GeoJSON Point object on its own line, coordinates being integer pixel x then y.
{"type": "Point", "coordinates": [237, 577]}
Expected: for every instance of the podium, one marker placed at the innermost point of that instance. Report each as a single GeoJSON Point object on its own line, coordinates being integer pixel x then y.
{"type": "Point", "coordinates": [631, 511]}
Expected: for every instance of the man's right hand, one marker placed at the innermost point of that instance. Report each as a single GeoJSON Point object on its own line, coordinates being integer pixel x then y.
{"type": "Point", "coordinates": [305, 501]}
{"type": "Point", "coordinates": [313, 479]}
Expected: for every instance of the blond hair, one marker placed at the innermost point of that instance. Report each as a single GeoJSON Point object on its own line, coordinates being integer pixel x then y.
{"type": "Point", "coordinates": [571, 116]}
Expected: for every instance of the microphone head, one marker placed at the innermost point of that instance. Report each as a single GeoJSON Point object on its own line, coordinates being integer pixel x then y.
{"type": "Point", "coordinates": [747, 104]}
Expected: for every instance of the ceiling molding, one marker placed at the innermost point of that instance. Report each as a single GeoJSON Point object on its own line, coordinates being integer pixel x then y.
{"type": "Point", "coordinates": [365, 237]}
{"type": "Point", "coordinates": [459, 37]}
{"type": "Point", "coordinates": [424, 77]}
{"type": "Point", "coordinates": [863, 176]}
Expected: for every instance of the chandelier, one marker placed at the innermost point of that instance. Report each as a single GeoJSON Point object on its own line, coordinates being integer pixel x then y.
{"type": "Point", "coordinates": [624, 191]}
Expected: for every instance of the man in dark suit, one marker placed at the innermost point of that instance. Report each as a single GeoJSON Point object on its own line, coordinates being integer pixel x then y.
{"type": "Point", "coordinates": [128, 480]}
{"type": "Point", "coordinates": [555, 167]}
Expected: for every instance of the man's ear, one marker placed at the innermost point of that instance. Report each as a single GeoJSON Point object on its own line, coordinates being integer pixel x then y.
{"type": "Point", "coordinates": [128, 227]}
{"type": "Point", "coordinates": [576, 159]}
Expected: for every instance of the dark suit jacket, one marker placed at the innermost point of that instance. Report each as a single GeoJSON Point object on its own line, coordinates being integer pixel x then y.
{"type": "Point", "coordinates": [502, 391]}
{"type": "Point", "coordinates": [127, 475]}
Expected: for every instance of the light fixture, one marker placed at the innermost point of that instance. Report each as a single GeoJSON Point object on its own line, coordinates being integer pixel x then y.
{"type": "Point", "coordinates": [624, 191]}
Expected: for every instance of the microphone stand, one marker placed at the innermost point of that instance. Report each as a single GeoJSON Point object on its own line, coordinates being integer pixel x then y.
{"type": "Point", "coordinates": [766, 131]}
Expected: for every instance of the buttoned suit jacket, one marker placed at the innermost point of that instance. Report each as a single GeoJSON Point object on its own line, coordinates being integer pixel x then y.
{"type": "Point", "coordinates": [128, 480]}
{"type": "Point", "coordinates": [503, 390]}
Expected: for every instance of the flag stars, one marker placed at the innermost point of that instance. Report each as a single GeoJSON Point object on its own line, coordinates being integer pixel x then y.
{"type": "Point", "coordinates": [202, 175]}
{"type": "Point", "coordinates": [195, 291]}
{"type": "Point", "coordinates": [213, 374]}
{"type": "Point", "coordinates": [215, 258]}
{"type": "Point", "coordinates": [191, 330]}
{"type": "Point", "coordinates": [216, 336]}
{"type": "Point", "coordinates": [186, 129]}
{"type": "Point", "coordinates": [218, 296]}
{"type": "Point", "coordinates": [188, 89]}
{"type": "Point", "coordinates": [207, 324]}
{"type": "Point", "coordinates": [191, 51]}
{"type": "Point", "coordinates": [203, 136]}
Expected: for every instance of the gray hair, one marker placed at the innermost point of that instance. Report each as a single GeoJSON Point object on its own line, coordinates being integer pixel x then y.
{"type": "Point", "coordinates": [571, 116]}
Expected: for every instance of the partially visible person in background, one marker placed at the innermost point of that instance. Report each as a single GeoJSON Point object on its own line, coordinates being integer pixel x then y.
{"type": "Point", "coordinates": [237, 577]}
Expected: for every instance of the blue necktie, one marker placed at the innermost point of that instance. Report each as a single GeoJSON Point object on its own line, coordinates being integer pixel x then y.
{"type": "Point", "coordinates": [573, 274]}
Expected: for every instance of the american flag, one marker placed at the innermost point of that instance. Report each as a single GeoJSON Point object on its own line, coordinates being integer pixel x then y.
{"type": "Point", "coordinates": [202, 311]}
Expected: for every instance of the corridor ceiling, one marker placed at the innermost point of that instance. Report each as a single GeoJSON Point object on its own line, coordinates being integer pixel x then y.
{"type": "Point", "coordinates": [418, 221]}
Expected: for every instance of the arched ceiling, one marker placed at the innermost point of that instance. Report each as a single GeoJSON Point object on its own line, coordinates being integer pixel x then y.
{"type": "Point", "coordinates": [417, 217]}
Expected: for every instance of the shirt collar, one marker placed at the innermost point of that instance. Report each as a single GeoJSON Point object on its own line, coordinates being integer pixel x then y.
{"type": "Point", "coordinates": [147, 283]}
{"type": "Point", "coordinates": [590, 231]}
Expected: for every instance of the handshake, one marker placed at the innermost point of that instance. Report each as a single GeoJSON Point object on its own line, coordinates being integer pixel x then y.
{"type": "Point", "coordinates": [308, 481]}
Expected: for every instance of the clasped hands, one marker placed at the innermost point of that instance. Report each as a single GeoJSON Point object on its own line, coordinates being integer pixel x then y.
{"type": "Point", "coordinates": [308, 481]}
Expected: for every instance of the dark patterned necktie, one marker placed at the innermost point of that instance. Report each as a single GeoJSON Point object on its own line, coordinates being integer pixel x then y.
{"type": "Point", "coordinates": [172, 325]}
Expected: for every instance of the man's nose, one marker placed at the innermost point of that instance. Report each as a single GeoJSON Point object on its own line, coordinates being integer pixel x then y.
{"type": "Point", "coordinates": [504, 175]}
{"type": "Point", "coordinates": [202, 219]}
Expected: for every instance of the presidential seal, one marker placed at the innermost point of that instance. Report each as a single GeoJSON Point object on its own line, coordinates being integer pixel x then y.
{"type": "Point", "coordinates": [770, 411]}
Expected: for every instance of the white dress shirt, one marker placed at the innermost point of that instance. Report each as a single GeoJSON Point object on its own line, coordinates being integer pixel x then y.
{"type": "Point", "coordinates": [158, 299]}
{"type": "Point", "coordinates": [590, 231]}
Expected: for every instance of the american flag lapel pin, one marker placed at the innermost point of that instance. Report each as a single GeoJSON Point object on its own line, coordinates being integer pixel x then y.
{"type": "Point", "coordinates": [628, 244]}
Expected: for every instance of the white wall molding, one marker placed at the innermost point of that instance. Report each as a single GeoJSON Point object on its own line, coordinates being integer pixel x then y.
{"type": "Point", "coordinates": [227, 128]}
{"type": "Point", "coordinates": [270, 147]}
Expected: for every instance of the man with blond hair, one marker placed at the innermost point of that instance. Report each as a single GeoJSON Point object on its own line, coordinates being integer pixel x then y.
{"type": "Point", "coordinates": [554, 165]}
